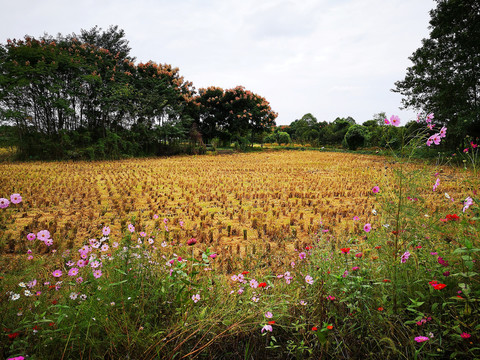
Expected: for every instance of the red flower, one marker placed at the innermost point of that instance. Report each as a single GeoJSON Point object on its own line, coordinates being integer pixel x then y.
{"type": "Point", "coordinates": [51, 324]}
{"type": "Point", "coordinates": [380, 308]}
{"type": "Point", "coordinates": [387, 280]}
{"type": "Point", "coordinates": [395, 232]}
{"type": "Point", "coordinates": [330, 327]}
{"type": "Point", "coordinates": [54, 302]}
{"type": "Point", "coordinates": [345, 250]}
{"type": "Point", "coordinates": [271, 322]}
{"type": "Point", "coordinates": [433, 283]}
{"type": "Point", "coordinates": [262, 284]}
{"type": "Point", "coordinates": [13, 335]}
{"type": "Point", "coordinates": [245, 272]}
{"type": "Point", "coordinates": [308, 247]}
{"type": "Point", "coordinates": [378, 247]}
{"type": "Point", "coordinates": [439, 286]}
{"type": "Point", "coordinates": [314, 328]}
{"type": "Point", "coordinates": [452, 217]}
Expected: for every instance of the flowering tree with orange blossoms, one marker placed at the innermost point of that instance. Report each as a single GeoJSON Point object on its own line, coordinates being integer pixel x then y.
{"type": "Point", "coordinates": [63, 93]}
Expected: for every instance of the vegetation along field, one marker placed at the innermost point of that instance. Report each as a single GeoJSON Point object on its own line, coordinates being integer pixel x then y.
{"type": "Point", "coordinates": [293, 254]}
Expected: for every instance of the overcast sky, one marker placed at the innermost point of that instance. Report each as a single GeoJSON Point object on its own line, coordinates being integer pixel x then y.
{"type": "Point", "coordinates": [326, 57]}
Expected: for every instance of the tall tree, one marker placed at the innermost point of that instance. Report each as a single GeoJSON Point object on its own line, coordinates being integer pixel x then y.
{"type": "Point", "coordinates": [445, 75]}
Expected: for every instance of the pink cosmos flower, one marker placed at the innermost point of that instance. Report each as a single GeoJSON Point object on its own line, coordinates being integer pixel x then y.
{"type": "Point", "coordinates": [131, 228]}
{"type": "Point", "coordinates": [31, 237]}
{"type": "Point", "coordinates": [79, 280]}
{"type": "Point", "coordinates": [57, 273]}
{"type": "Point", "coordinates": [386, 122]}
{"type": "Point", "coordinates": [375, 189]}
{"type": "Point", "coordinates": [43, 235]}
{"type": "Point", "coordinates": [405, 257]}
{"type": "Point", "coordinates": [48, 242]}
{"type": "Point", "coordinates": [213, 256]}
{"type": "Point", "coordinates": [267, 328]}
{"type": "Point", "coordinates": [436, 139]}
{"type": "Point", "coordinates": [309, 279]}
{"type": "Point", "coordinates": [73, 271]}
{"type": "Point", "coordinates": [429, 118]}
{"type": "Point", "coordinates": [4, 203]}
{"type": "Point", "coordinates": [443, 132]}
{"type": "Point", "coordinates": [330, 297]}
{"type": "Point", "coordinates": [106, 231]}
{"type": "Point", "coordinates": [268, 315]}
{"type": "Point", "coordinates": [81, 263]}
{"type": "Point", "coordinates": [437, 182]}
{"type": "Point", "coordinates": [104, 247]}
{"type": "Point", "coordinates": [196, 298]}
{"type": "Point", "coordinates": [395, 120]}
{"type": "Point", "coordinates": [253, 283]}
{"type": "Point", "coordinates": [355, 218]}
{"type": "Point", "coordinates": [474, 146]}
{"type": "Point", "coordinates": [420, 339]}
{"type": "Point", "coordinates": [302, 255]}
{"type": "Point", "coordinates": [15, 198]}
{"type": "Point", "coordinates": [430, 141]}
{"type": "Point", "coordinates": [192, 242]}
{"type": "Point", "coordinates": [466, 204]}
{"type": "Point", "coordinates": [97, 273]}
{"type": "Point", "coordinates": [367, 228]}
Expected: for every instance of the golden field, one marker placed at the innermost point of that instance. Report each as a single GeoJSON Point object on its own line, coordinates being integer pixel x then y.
{"type": "Point", "coordinates": [231, 203]}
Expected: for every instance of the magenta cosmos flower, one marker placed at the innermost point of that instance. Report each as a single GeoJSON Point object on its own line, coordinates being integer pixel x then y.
{"type": "Point", "coordinates": [4, 203]}
{"type": "Point", "coordinates": [31, 237]}
{"type": "Point", "coordinates": [367, 227]}
{"type": "Point", "coordinates": [15, 198]}
{"type": "Point", "coordinates": [57, 273]}
{"type": "Point", "coordinates": [375, 189]}
{"type": "Point", "coordinates": [192, 242]}
{"type": "Point", "coordinates": [420, 339]}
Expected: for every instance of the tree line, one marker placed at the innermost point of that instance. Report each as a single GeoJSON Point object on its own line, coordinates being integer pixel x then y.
{"type": "Point", "coordinates": [83, 96]}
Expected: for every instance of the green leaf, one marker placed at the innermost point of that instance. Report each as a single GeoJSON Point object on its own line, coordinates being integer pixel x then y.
{"type": "Point", "coordinates": [118, 283]}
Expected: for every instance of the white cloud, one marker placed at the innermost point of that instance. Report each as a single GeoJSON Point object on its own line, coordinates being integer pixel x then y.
{"type": "Point", "coordinates": [327, 57]}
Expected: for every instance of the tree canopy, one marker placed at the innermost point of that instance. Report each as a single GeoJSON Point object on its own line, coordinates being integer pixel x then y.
{"type": "Point", "coordinates": [445, 75]}
{"type": "Point", "coordinates": [71, 92]}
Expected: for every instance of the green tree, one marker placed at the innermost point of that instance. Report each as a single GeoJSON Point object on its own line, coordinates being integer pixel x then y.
{"type": "Point", "coordinates": [234, 114]}
{"type": "Point", "coordinates": [356, 136]}
{"type": "Point", "coordinates": [445, 75]}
